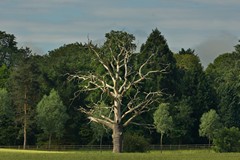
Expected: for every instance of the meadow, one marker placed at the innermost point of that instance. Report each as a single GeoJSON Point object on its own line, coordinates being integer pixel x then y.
{"type": "Point", "coordinates": [9, 154]}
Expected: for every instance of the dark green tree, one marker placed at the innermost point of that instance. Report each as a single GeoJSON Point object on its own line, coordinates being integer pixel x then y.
{"type": "Point", "coordinates": [7, 125]}
{"type": "Point", "coordinates": [188, 51]}
{"type": "Point", "coordinates": [4, 75]}
{"type": "Point", "coordinates": [163, 59]}
{"type": "Point", "coordinates": [195, 92]}
{"type": "Point", "coordinates": [134, 142]}
{"type": "Point", "coordinates": [182, 121]}
{"type": "Point", "coordinates": [223, 73]}
{"type": "Point", "coordinates": [227, 140]}
{"type": "Point", "coordinates": [8, 49]}
{"type": "Point", "coordinates": [56, 66]}
{"type": "Point", "coordinates": [25, 91]}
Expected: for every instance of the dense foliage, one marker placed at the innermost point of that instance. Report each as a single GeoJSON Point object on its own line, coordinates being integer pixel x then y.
{"type": "Point", "coordinates": [210, 124]}
{"type": "Point", "coordinates": [51, 115]}
{"type": "Point", "coordinates": [162, 120]}
{"type": "Point", "coordinates": [227, 140]}
{"type": "Point", "coordinates": [188, 90]}
{"type": "Point", "coordinates": [134, 142]}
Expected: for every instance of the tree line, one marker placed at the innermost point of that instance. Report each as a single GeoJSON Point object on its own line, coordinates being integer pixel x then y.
{"type": "Point", "coordinates": [56, 98]}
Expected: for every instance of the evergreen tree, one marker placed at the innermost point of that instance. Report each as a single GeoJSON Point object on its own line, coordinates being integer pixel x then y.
{"type": "Point", "coordinates": [163, 59]}
{"type": "Point", "coordinates": [195, 91]}
{"type": "Point", "coordinates": [8, 130]}
{"type": "Point", "coordinates": [25, 91]}
{"type": "Point", "coordinates": [8, 49]}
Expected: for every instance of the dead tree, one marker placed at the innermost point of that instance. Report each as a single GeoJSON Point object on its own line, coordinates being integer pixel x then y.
{"type": "Point", "coordinates": [119, 78]}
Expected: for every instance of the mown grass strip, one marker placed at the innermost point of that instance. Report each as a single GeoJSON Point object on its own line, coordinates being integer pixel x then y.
{"type": "Point", "coordinates": [8, 154]}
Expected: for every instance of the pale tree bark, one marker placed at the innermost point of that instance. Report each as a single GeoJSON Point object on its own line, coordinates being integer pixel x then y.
{"type": "Point", "coordinates": [121, 78]}
{"type": "Point", "coordinates": [117, 138]}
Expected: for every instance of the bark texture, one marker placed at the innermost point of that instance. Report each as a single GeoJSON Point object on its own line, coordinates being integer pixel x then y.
{"type": "Point", "coordinates": [117, 138]}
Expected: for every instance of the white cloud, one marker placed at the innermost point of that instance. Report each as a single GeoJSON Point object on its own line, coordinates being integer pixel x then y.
{"type": "Point", "coordinates": [217, 44]}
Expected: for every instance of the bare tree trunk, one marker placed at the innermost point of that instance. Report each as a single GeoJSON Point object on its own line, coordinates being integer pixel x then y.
{"type": "Point", "coordinates": [117, 138]}
{"type": "Point", "coordinates": [209, 142]}
{"type": "Point", "coordinates": [161, 142]}
{"type": "Point", "coordinates": [25, 132]}
{"type": "Point", "coordinates": [25, 122]}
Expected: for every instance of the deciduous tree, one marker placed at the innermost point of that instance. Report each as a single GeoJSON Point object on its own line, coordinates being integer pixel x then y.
{"type": "Point", "coordinates": [162, 120]}
{"type": "Point", "coordinates": [210, 123]}
{"type": "Point", "coordinates": [119, 81]}
{"type": "Point", "coordinates": [223, 73]}
{"type": "Point", "coordinates": [4, 75]}
{"type": "Point", "coordinates": [51, 115]}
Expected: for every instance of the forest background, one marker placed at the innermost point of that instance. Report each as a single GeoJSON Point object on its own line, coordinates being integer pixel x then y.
{"type": "Point", "coordinates": [29, 81]}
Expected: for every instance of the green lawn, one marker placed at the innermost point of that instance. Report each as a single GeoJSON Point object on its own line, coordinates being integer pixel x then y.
{"type": "Point", "coordinates": [7, 154]}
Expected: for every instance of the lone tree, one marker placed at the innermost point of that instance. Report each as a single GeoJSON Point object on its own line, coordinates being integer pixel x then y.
{"type": "Point", "coordinates": [51, 115]}
{"type": "Point", "coordinates": [119, 81]}
{"type": "Point", "coordinates": [162, 120]}
{"type": "Point", "coordinates": [210, 123]}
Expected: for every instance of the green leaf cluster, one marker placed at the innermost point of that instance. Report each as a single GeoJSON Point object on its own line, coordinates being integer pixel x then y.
{"type": "Point", "coordinates": [51, 114]}
{"type": "Point", "coordinates": [210, 124]}
{"type": "Point", "coordinates": [227, 140]}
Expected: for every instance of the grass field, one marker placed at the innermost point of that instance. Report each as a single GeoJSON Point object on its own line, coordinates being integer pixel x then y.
{"type": "Point", "coordinates": [7, 154]}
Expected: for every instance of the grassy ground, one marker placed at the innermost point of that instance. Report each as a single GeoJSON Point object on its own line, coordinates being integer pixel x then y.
{"type": "Point", "coordinates": [6, 154]}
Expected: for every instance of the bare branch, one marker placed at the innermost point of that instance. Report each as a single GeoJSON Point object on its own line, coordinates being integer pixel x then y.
{"type": "Point", "coordinates": [105, 65]}
{"type": "Point", "coordinates": [129, 120]}
{"type": "Point", "coordinates": [93, 82]}
{"type": "Point", "coordinates": [119, 78]}
{"type": "Point", "coordinates": [148, 126]}
{"type": "Point", "coordinates": [103, 122]}
{"type": "Point", "coordinates": [145, 76]}
{"type": "Point", "coordinates": [141, 107]}
{"type": "Point", "coordinates": [126, 73]}
{"type": "Point", "coordinates": [107, 119]}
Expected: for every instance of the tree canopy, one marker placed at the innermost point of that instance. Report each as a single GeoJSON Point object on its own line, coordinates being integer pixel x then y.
{"type": "Point", "coordinates": [162, 120]}
{"type": "Point", "coordinates": [210, 123]}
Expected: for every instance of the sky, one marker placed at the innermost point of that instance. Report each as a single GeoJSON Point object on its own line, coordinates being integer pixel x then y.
{"type": "Point", "coordinates": [210, 27]}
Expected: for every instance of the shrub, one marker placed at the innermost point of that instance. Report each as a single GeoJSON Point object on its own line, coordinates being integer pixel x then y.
{"type": "Point", "coordinates": [227, 140]}
{"type": "Point", "coordinates": [135, 143]}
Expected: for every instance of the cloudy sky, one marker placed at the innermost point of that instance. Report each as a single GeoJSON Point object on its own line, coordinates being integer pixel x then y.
{"type": "Point", "coordinates": [210, 27]}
